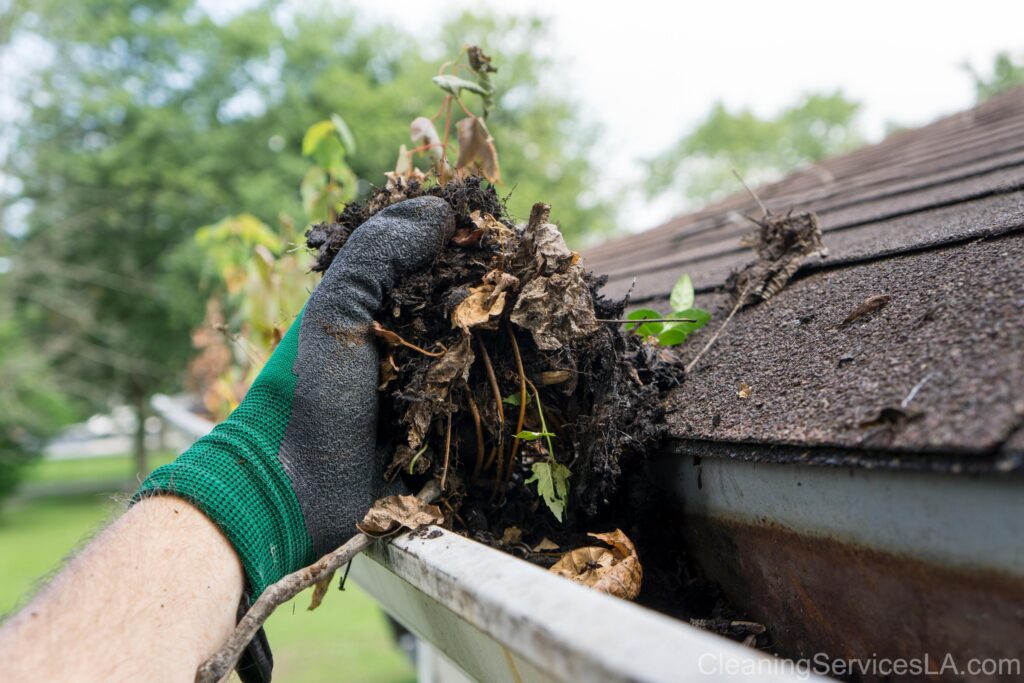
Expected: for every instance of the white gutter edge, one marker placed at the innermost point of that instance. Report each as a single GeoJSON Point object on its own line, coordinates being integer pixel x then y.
{"type": "Point", "coordinates": [499, 618]}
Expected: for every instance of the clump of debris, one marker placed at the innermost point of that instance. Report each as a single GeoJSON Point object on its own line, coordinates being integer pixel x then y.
{"type": "Point", "coordinates": [505, 376]}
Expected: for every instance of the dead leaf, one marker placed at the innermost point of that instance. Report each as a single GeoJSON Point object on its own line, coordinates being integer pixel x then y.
{"type": "Point", "coordinates": [476, 148]}
{"type": "Point", "coordinates": [550, 248]}
{"type": "Point", "coordinates": [464, 237]}
{"type": "Point", "coordinates": [869, 305]}
{"type": "Point", "coordinates": [511, 535]}
{"type": "Point", "coordinates": [745, 391]}
{"type": "Point", "coordinates": [557, 310]}
{"type": "Point", "coordinates": [616, 571]}
{"type": "Point", "coordinates": [423, 133]}
{"type": "Point", "coordinates": [432, 400]}
{"type": "Point", "coordinates": [781, 242]}
{"type": "Point", "coordinates": [489, 223]}
{"type": "Point", "coordinates": [391, 513]}
{"type": "Point", "coordinates": [545, 545]}
{"type": "Point", "coordinates": [388, 371]}
{"type": "Point", "coordinates": [319, 591]}
{"type": "Point", "coordinates": [480, 309]}
{"type": "Point", "coordinates": [549, 377]}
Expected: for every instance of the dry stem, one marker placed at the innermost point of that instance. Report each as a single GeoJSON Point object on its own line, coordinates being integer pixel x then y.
{"type": "Point", "coordinates": [225, 659]}
{"type": "Point", "coordinates": [718, 332]}
{"type": "Point", "coordinates": [475, 412]}
{"type": "Point", "coordinates": [522, 408]}
{"type": "Point", "coordinates": [447, 447]}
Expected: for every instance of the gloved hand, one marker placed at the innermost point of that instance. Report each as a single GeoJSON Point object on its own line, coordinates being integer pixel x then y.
{"type": "Point", "coordinates": [294, 467]}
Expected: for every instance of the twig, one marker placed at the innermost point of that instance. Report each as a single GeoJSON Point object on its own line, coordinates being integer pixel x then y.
{"type": "Point", "coordinates": [718, 332]}
{"type": "Point", "coordinates": [752, 193]}
{"type": "Point", "coordinates": [913, 392]}
{"type": "Point", "coordinates": [447, 447]}
{"type": "Point", "coordinates": [225, 659]}
{"type": "Point", "coordinates": [522, 406]}
{"type": "Point", "coordinates": [475, 412]}
{"type": "Point", "coordinates": [641, 321]}
{"type": "Point", "coordinates": [493, 379]}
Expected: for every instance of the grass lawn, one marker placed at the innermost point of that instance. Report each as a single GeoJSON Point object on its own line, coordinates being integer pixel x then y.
{"type": "Point", "coordinates": [107, 468]}
{"type": "Point", "coordinates": [345, 640]}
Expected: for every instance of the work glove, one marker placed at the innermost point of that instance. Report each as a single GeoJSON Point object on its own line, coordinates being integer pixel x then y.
{"type": "Point", "coordinates": [289, 473]}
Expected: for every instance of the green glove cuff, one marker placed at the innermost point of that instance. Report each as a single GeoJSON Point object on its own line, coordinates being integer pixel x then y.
{"type": "Point", "coordinates": [234, 476]}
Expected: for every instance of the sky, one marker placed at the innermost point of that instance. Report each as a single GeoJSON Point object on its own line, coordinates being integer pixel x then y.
{"type": "Point", "coordinates": [646, 71]}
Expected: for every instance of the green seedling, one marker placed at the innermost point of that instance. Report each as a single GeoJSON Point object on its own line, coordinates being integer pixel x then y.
{"type": "Point", "coordinates": [661, 326]}
{"type": "Point", "coordinates": [551, 477]}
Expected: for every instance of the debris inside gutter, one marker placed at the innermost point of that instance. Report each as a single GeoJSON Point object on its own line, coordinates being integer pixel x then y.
{"type": "Point", "coordinates": [501, 380]}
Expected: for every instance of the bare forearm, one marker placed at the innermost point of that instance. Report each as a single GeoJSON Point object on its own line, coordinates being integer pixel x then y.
{"type": "Point", "coordinates": [148, 599]}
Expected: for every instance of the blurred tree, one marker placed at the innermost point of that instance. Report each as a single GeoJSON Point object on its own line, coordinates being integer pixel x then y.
{"type": "Point", "coordinates": [1006, 75]}
{"type": "Point", "coordinates": [31, 404]}
{"type": "Point", "coordinates": [144, 120]}
{"type": "Point", "coordinates": [700, 165]}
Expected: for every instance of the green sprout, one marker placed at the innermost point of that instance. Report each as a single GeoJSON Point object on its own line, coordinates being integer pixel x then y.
{"type": "Point", "coordinates": [551, 477]}
{"type": "Point", "coordinates": [662, 328]}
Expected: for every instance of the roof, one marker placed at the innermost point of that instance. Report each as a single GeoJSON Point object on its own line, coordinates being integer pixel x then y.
{"type": "Point", "coordinates": [934, 219]}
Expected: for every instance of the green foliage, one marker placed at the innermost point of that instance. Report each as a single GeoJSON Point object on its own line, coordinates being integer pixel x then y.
{"type": "Point", "coordinates": [527, 435]}
{"type": "Point", "coordinates": [760, 149]}
{"type": "Point", "coordinates": [330, 183]}
{"type": "Point", "coordinates": [1007, 74]}
{"type": "Point", "coordinates": [513, 400]}
{"type": "Point", "coordinates": [672, 333]}
{"type": "Point", "coordinates": [552, 481]}
{"type": "Point", "coordinates": [551, 477]}
{"type": "Point", "coordinates": [455, 85]}
{"type": "Point", "coordinates": [31, 404]}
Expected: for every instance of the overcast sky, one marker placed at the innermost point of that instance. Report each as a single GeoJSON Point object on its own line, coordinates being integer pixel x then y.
{"type": "Point", "coordinates": [900, 59]}
{"type": "Point", "coordinates": [646, 71]}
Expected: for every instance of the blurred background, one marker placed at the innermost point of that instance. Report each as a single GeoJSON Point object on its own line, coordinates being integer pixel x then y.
{"type": "Point", "coordinates": [160, 162]}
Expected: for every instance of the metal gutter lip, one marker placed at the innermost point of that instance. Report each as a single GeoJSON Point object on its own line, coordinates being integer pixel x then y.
{"type": "Point", "coordinates": [499, 618]}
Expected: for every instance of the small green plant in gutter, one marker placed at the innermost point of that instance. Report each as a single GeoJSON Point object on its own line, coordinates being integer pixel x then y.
{"type": "Point", "coordinates": [551, 476]}
{"type": "Point", "coordinates": [661, 327]}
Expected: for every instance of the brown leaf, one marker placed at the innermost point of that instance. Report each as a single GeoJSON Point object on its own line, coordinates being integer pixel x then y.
{"type": "Point", "coordinates": [476, 148]}
{"type": "Point", "coordinates": [432, 400]}
{"type": "Point", "coordinates": [744, 391]}
{"type": "Point", "coordinates": [616, 571]}
{"type": "Point", "coordinates": [545, 545]}
{"type": "Point", "coordinates": [557, 310]}
{"type": "Point", "coordinates": [422, 132]}
{"type": "Point", "coordinates": [391, 513]}
{"type": "Point", "coordinates": [869, 305]}
{"type": "Point", "coordinates": [319, 591]}
{"type": "Point", "coordinates": [511, 535]}
{"type": "Point", "coordinates": [480, 309]}
{"type": "Point", "coordinates": [549, 377]}
{"type": "Point", "coordinates": [388, 371]}
{"type": "Point", "coordinates": [464, 237]}
{"type": "Point", "coordinates": [549, 248]}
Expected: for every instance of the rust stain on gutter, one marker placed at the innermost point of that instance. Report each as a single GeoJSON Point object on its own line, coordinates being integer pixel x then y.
{"type": "Point", "coordinates": [821, 595]}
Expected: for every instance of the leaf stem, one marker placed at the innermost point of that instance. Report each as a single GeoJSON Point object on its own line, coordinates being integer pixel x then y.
{"type": "Point", "coordinates": [543, 424]}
